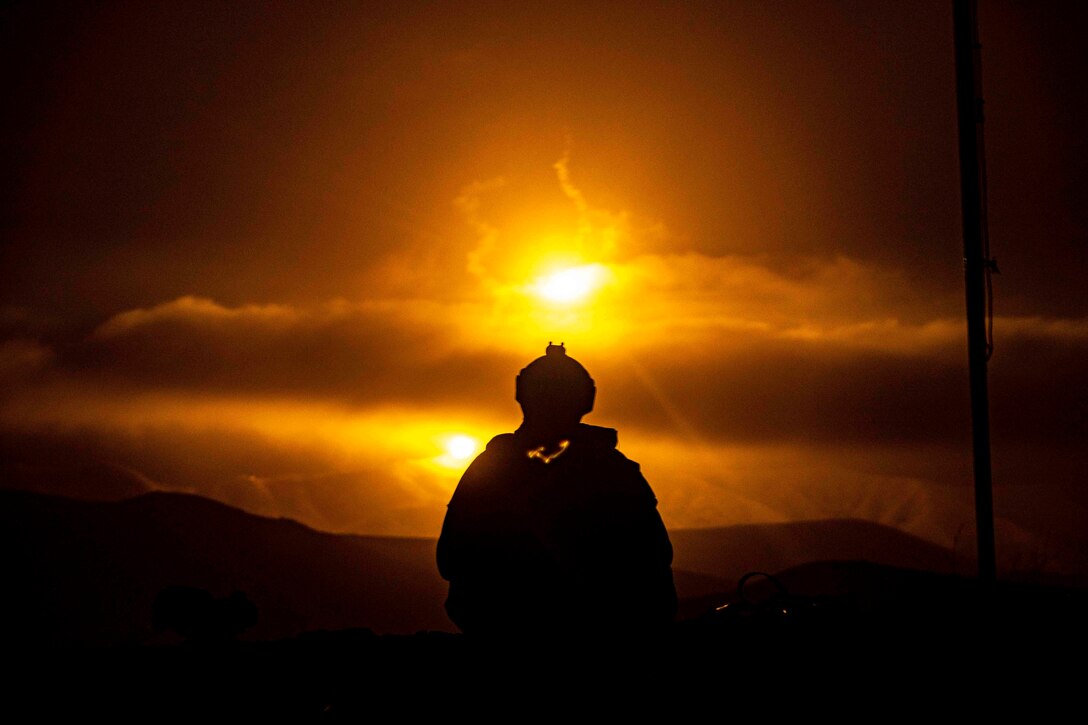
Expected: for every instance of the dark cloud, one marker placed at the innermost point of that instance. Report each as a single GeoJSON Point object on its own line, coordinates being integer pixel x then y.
{"type": "Point", "coordinates": [355, 354]}
{"type": "Point", "coordinates": [801, 393]}
{"type": "Point", "coordinates": [21, 360]}
{"type": "Point", "coordinates": [1038, 392]}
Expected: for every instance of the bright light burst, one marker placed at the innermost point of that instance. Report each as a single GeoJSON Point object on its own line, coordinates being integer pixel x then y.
{"type": "Point", "coordinates": [461, 447]}
{"type": "Point", "coordinates": [572, 284]}
{"type": "Point", "coordinates": [457, 451]}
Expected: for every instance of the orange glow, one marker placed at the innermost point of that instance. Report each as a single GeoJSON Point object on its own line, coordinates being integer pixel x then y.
{"type": "Point", "coordinates": [294, 261]}
{"type": "Point", "coordinates": [461, 447]}
{"type": "Point", "coordinates": [573, 284]}
{"type": "Point", "coordinates": [458, 451]}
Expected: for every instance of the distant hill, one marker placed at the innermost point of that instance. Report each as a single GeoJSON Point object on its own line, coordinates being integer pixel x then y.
{"type": "Point", "coordinates": [730, 552]}
{"type": "Point", "coordinates": [88, 571]}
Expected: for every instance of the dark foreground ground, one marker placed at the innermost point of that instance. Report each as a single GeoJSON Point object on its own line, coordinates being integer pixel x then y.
{"type": "Point", "coordinates": [979, 652]}
{"type": "Point", "coordinates": [898, 633]}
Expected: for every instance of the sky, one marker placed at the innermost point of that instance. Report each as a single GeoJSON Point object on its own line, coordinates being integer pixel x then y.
{"type": "Point", "coordinates": [282, 254]}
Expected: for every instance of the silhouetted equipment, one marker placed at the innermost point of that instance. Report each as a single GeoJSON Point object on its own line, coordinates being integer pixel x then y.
{"type": "Point", "coordinates": [978, 267]}
{"type": "Point", "coordinates": [778, 610]}
{"type": "Point", "coordinates": [552, 531]}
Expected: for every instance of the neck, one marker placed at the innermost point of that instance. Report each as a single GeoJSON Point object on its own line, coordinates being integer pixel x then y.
{"type": "Point", "coordinates": [547, 432]}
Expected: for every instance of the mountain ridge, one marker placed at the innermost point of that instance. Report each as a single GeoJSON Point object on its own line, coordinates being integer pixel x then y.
{"type": "Point", "coordinates": [88, 571]}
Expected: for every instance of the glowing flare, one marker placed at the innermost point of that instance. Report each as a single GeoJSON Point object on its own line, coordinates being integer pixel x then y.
{"type": "Point", "coordinates": [457, 451]}
{"type": "Point", "coordinates": [539, 452]}
{"type": "Point", "coordinates": [571, 284]}
{"type": "Point", "coordinates": [461, 447]}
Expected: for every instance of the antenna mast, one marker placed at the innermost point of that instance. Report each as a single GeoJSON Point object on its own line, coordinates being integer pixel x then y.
{"type": "Point", "coordinates": [977, 266]}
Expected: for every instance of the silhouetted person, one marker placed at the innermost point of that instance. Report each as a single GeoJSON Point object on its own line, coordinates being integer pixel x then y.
{"type": "Point", "coordinates": [552, 531]}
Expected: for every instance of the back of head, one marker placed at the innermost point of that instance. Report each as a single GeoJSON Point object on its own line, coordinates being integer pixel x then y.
{"type": "Point", "coordinates": [555, 388]}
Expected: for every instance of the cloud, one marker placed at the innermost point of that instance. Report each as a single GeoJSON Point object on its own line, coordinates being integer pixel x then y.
{"type": "Point", "coordinates": [599, 232]}
{"type": "Point", "coordinates": [21, 358]}
{"type": "Point", "coordinates": [524, 225]}
{"type": "Point", "coordinates": [729, 349]}
{"type": "Point", "coordinates": [332, 413]}
{"type": "Point", "coordinates": [363, 353]}
{"type": "Point", "coordinates": [469, 203]}
{"type": "Point", "coordinates": [754, 387]}
{"type": "Point", "coordinates": [188, 309]}
{"type": "Point", "coordinates": [769, 390]}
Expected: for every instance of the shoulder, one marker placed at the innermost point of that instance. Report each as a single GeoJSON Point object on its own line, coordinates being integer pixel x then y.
{"type": "Point", "coordinates": [498, 447]}
{"type": "Point", "coordinates": [600, 443]}
{"type": "Point", "coordinates": [490, 470]}
{"type": "Point", "coordinates": [595, 436]}
{"type": "Point", "coordinates": [618, 474]}
{"type": "Point", "coordinates": [499, 451]}
{"type": "Point", "coordinates": [501, 442]}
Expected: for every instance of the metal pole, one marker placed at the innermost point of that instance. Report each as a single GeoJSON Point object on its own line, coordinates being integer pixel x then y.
{"type": "Point", "coordinates": [977, 266]}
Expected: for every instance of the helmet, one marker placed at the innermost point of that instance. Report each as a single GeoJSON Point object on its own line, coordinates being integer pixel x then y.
{"type": "Point", "coordinates": [555, 384]}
